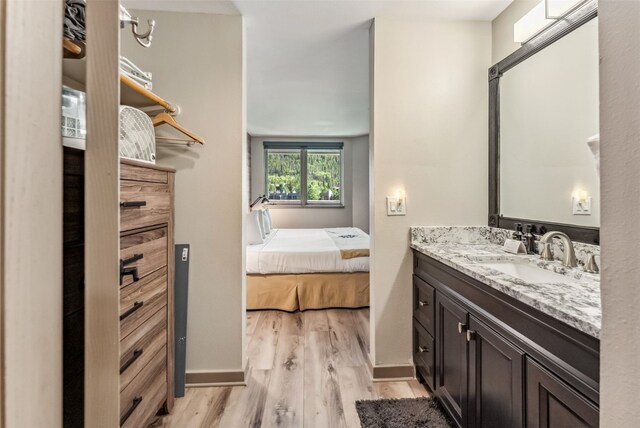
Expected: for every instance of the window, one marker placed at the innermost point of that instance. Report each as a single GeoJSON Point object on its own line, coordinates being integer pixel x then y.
{"type": "Point", "coordinates": [308, 175]}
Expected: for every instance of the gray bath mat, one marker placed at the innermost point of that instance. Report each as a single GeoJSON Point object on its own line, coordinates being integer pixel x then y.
{"type": "Point", "coordinates": [402, 413]}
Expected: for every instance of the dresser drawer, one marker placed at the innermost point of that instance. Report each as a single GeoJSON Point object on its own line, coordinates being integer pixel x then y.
{"type": "Point", "coordinates": [143, 204]}
{"type": "Point", "coordinates": [145, 251]}
{"type": "Point", "coordinates": [423, 303]}
{"type": "Point", "coordinates": [144, 396]}
{"type": "Point", "coordinates": [140, 300]}
{"type": "Point", "coordinates": [139, 348]}
{"type": "Point", "coordinates": [141, 173]}
{"type": "Point", "coordinates": [424, 353]}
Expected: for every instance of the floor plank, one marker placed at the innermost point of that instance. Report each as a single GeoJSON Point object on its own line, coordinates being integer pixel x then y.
{"type": "Point", "coordinates": [305, 369]}
{"type": "Point", "coordinates": [397, 389]}
{"type": "Point", "coordinates": [348, 351]}
{"type": "Point", "coordinates": [316, 321]}
{"type": "Point", "coordinates": [261, 349]}
{"type": "Point", "coordinates": [285, 409]}
{"type": "Point", "coordinates": [323, 402]}
{"type": "Point", "coordinates": [246, 404]}
{"type": "Point", "coordinates": [355, 384]}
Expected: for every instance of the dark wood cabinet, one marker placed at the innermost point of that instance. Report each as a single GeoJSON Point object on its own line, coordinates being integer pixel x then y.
{"type": "Point", "coordinates": [493, 361]}
{"type": "Point", "coordinates": [553, 403]}
{"type": "Point", "coordinates": [424, 353]}
{"type": "Point", "coordinates": [495, 378]}
{"type": "Point", "coordinates": [451, 357]}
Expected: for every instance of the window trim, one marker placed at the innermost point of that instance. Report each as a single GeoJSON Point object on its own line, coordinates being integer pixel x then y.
{"type": "Point", "coordinates": [304, 148]}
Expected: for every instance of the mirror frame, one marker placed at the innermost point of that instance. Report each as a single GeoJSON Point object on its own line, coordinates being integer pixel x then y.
{"type": "Point", "coordinates": [554, 32]}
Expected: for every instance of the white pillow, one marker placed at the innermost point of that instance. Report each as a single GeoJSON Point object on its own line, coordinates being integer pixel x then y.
{"type": "Point", "coordinates": [254, 233]}
{"type": "Point", "coordinates": [269, 219]}
{"type": "Point", "coordinates": [266, 225]}
{"type": "Point", "coordinates": [263, 230]}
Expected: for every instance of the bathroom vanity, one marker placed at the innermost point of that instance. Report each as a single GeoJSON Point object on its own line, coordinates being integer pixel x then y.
{"type": "Point", "coordinates": [504, 340]}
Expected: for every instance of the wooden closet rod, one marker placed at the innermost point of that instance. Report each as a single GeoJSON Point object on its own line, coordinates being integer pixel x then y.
{"type": "Point", "coordinates": [150, 95]}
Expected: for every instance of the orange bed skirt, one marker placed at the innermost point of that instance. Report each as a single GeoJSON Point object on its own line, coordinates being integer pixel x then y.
{"type": "Point", "coordinates": [294, 292]}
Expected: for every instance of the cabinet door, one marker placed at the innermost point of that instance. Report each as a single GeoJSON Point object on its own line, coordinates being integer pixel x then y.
{"type": "Point", "coordinates": [451, 357]}
{"type": "Point", "coordinates": [495, 379]}
{"type": "Point", "coordinates": [553, 403]}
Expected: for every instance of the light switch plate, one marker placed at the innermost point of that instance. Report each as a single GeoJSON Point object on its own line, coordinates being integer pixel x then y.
{"type": "Point", "coordinates": [396, 206]}
{"type": "Point", "coordinates": [581, 208]}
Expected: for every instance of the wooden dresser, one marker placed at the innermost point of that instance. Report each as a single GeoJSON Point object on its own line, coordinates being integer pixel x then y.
{"type": "Point", "coordinates": [146, 291]}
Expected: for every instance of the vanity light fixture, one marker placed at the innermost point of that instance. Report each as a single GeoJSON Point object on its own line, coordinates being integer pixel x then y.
{"type": "Point", "coordinates": [541, 16]}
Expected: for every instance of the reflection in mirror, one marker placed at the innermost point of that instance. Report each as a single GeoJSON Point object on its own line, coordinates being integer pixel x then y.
{"type": "Point", "coordinates": [548, 112]}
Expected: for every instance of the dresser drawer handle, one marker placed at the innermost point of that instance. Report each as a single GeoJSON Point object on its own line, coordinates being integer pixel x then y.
{"type": "Point", "coordinates": [423, 349]}
{"type": "Point", "coordinates": [136, 354]}
{"type": "Point", "coordinates": [133, 204]}
{"type": "Point", "coordinates": [133, 271]}
{"type": "Point", "coordinates": [135, 307]}
{"type": "Point", "coordinates": [132, 259]}
{"type": "Point", "coordinates": [134, 404]}
{"type": "Point", "coordinates": [423, 303]}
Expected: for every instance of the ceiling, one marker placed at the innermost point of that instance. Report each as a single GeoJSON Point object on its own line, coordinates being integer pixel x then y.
{"type": "Point", "coordinates": [308, 60]}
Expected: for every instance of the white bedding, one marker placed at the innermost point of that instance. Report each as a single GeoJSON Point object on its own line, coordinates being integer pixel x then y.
{"type": "Point", "coordinates": [302, 251]}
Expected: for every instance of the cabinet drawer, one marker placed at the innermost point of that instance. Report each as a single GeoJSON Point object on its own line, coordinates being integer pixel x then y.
{"type": "Point", "coordinates": [424, 353]}
{"type": "Point", "coordinates": [143, 204]}
{"type": "Point", "coordinates": [140, 300]}
{"type": "Point", "coordinates": [140, 173]}
{"type": "Point", "coordinates": [138, 349]}
{"type": "Point", "coordinates": [149, 249]}
{"type": "Point", "coordinates": [144, 396]}
{"type": "Point", "coordinates": [143, 335]}
{"type": "Point", "coordinates": [423, 304]}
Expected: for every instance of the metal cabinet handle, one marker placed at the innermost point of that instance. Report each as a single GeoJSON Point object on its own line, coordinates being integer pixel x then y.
{"type": "Point", "coordinates": [422, 349]}
{"type": "Point", "coordinates": [134, 404]}
{"type": "Point", "coordinates": [132, 259]}
{"type": "Point", "coordinates": [133, 204]}
{"type": "Point", "coordinates": [462, 327]}
{"type": "Point", "coordinates": [423, 303]}
{"type": "Point", "coordinates": [136, 354]}
{"type": "Point", "coordinates": [133, 271]}
{"type": "Point", "coordinates": [135, 307]}
{"type": "Point", "coordinates": [471, 335]}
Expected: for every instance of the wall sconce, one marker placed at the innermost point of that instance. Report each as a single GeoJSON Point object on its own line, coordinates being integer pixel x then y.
{"type": "Point", "coordinates": [397, 204]}
{"type": "Point", "coordinates": [540, 17]}
{"type": "Point", "coordinates": [581, 202]}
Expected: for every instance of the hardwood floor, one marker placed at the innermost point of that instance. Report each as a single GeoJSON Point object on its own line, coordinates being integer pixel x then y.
{"type": "Point", "coordinates": [305, 369]}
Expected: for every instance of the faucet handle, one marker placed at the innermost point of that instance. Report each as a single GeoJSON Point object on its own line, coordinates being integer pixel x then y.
{"type": "Point", "coordinates": [591, 266]}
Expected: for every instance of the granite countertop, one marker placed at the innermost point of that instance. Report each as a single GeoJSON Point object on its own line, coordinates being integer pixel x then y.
{"type": "Point", "coordinates": [575, 301]}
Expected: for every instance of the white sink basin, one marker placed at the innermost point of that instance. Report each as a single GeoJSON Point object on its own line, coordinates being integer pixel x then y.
{"type": "Point", "coordinates": [526, 271]}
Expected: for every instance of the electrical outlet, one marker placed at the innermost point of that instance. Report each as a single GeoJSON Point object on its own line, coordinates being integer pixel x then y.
{"type": "Point", "coordinates": [581, 206]}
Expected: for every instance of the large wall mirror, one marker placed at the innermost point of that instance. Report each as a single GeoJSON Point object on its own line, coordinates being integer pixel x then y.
{"type": "Point", "coordinates": [544, 131]}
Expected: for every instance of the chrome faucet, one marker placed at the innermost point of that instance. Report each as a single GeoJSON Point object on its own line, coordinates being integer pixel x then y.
{"type": "Point", "coordinates": [569, 258]}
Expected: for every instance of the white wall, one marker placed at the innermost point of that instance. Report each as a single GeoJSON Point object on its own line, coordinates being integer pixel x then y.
{"type": "Point", "coordinates": [356, 181]}
{"type": "Point", "coordinates": [197, 61]}
{"type": "Point", "coordinates": [429, 136]}
{"type": "Point", "coordinates": [620, 133]}
{"type": "Point", "coordinates": [548, 109]}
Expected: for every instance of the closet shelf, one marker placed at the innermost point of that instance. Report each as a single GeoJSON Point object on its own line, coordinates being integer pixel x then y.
{"type": "Point", "coordinates": [131, 93]}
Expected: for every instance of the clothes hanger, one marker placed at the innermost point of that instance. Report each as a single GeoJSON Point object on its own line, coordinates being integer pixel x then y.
{"type": "Point", "coordinates": [166, 118]}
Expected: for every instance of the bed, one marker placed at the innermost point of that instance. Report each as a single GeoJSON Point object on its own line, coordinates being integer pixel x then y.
{"type": "Point", "coordinates": [301, 269]}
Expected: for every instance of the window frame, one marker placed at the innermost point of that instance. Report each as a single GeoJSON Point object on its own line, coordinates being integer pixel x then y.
{"type": "Point", "coordinates": [304, 149]}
